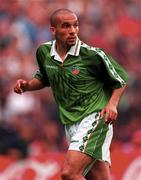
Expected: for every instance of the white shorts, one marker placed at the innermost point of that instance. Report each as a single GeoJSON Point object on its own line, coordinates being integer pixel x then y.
{"type": "Point", "coordinates": [91, 136]}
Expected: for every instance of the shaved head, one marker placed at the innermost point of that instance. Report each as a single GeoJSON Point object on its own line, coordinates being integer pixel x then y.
{"type": "Point", "coordinates": [54, 16]}
{"type": "Point", "coordinates": [64, 27]}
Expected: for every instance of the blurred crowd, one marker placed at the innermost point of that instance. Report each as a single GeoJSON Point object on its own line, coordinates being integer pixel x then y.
{"type": "Point", "coordinates": [29, 123]}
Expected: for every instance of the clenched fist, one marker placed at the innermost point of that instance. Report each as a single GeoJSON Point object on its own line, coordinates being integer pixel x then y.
{"type": "Point", "coordinates": [20, 86]}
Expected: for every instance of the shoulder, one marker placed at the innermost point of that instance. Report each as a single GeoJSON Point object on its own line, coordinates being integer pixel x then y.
{"type": "Point", "coordinates": [44, 47]}
{"type": "Point", "coordinates": [43, 51]}
{"type": "Point", "coordinates": [90, 49]}
{"type": "Point", "coordinates": [91, 54]}
{"type": "Point", "coordinates": [97, 53]}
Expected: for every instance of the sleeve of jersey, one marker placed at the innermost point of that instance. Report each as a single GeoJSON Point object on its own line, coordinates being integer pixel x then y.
{"type": "Point", "coordinates": [113, 73]}
{"type": "Point", "coordinates": [41, 74]}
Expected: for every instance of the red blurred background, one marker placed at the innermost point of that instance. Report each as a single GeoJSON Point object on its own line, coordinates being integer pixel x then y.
{"type": "Point", "coordinates": [29, 124]}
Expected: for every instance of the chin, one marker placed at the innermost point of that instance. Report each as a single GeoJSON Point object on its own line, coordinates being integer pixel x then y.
{"type": "Point", "coordinates": [71, 43]}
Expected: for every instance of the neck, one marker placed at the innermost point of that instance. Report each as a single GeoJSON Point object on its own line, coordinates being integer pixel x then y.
{"type": "Point", "coordinates": [62, 50]}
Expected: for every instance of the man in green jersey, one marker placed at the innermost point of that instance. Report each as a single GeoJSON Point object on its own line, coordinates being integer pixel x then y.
{"type": "Point", "coordinates": [87, 85]}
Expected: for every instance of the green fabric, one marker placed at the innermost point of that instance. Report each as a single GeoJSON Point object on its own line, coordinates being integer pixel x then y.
{"type": "Point", "coordinates": [96, 140]}
{"type": "Point", "coordinates": [82, 84]}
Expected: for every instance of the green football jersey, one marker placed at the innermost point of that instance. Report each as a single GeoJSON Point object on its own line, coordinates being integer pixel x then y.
{"type": "Point", "coordinates": [83, 83]}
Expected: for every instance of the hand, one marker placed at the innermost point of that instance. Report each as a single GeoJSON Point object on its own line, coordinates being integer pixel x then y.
{"type": "Point", "coordinates": [109, 113]}
{"type": "Point", "coordinates": [20, 86]}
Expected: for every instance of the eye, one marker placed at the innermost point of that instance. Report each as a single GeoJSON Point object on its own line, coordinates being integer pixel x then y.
{"type": "Point", "coordinates": [65, 25]}
{"type": "Point", "coordinates": [76, 25]}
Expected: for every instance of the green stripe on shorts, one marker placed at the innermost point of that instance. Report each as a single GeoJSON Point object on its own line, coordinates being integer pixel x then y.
{"type": "Point", "coordinates": [93, 145]}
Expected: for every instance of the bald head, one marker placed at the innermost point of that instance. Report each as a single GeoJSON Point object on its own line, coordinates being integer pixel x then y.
{"type": "Point", "coordinates": [57, 13]}
{"type": "Point", "coordinates": [64, 28]}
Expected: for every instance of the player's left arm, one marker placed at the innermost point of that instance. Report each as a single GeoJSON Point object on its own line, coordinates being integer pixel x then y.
{"type": "Point", "coordinates": [109, 112]}
{"type": "Point", "coordinates": [118, 83]}
{"type": "Point", "coordinates": [114, 77]}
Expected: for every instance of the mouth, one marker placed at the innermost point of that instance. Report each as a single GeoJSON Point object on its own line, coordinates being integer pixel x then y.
{"type": "Point", "coordinates": [72, 39]}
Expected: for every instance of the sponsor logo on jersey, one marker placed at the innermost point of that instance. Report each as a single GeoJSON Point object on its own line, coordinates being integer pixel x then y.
{"type": "Point", "coordinates": [75, 70]}
{"type": "Point", "coordinates": [51, 67]}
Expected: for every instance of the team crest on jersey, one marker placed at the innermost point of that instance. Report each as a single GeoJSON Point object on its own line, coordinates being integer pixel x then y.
{"type": "Point", "coordinates": [75, 70]}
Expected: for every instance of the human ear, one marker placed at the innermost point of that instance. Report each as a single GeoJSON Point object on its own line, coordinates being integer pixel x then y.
{"type": "Point", "coordinates": [52, 29]}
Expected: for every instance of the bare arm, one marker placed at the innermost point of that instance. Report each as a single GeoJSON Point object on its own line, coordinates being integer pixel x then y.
{"type": "Point", "coordinates": [109, 112]}
{"type": "Point", "coordinates": [23, 85]}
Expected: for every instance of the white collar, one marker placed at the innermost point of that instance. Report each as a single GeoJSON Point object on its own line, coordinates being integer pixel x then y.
{"type": "Point", "coordinates": [74, 50]}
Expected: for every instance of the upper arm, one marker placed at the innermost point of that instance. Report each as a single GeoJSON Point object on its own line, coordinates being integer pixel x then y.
{"type": "Point", "coordinates": [107, 70]}
{"type": "Point", "coordinates": [41, 73]}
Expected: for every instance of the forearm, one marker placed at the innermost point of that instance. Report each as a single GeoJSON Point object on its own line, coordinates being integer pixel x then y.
{"type": "Point", "coordinates": [116, 95]}
{"type": "Point", "coordinates": [34, 84]}
{"type": "Point", "coordinates": [109, 112]}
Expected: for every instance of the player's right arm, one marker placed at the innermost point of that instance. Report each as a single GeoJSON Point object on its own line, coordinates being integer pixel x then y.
{"type": "Point", "coordinates": [23, 85]}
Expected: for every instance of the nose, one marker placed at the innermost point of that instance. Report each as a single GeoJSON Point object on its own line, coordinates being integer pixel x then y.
{"type": "Point", "coordinates": [72, 30]}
